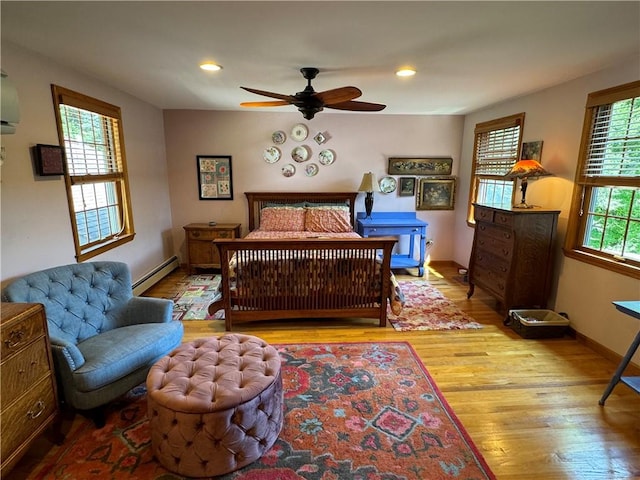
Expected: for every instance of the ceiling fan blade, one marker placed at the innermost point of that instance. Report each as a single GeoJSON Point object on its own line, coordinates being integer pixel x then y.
{"type": "Point", "coordinates": [288, 98]}
{"type": "Point", "coordinates": [357, 106]}
{"type": "Point", "coordinates": [272, 103]}
{"type": "Point", "coordinates": [338, 95]}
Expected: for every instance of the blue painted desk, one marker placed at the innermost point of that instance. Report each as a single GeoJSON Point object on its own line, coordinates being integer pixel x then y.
{"type": "Point", "coordinates": [633, 309]}
{"type": "Point", "coordinates": [382, 224]}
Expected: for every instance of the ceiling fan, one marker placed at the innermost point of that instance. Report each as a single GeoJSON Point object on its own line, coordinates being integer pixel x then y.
{"type": "Point", "coordinates": [310, 102]}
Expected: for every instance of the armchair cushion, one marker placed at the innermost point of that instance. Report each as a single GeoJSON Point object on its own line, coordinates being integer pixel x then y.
{"type": "Point", "coordinates": [114, 354]}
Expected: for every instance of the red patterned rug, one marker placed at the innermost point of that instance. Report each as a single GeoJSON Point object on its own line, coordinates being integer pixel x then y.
{"type": "Point", "coordinates": [426, 308]}
{"type": "Point", "coordinates": [366, 411]}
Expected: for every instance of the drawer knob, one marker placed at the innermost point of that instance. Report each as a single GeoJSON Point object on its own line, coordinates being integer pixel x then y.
{"type": "Point", "coordinates": [196, 234]}
{"type": "Point", "coordinates": [15, 337]}
{"type": "Point", "coordinates": [40, 406]}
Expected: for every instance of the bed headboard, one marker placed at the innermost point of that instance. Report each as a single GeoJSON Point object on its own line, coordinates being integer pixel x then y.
{"type": "Point", "coordinates": [258, 200]}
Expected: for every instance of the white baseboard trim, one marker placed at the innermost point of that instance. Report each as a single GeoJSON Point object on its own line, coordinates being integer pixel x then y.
{"type": "Point", "coordinates": [149, 279]}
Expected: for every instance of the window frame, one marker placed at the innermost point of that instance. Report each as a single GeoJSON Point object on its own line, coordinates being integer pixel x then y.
{"type": "Point", "coordinates": [583, 188]}
{"type": "Point", "coordinates": [482, 128]}
{"type": "Point", "coordinates": [64, 96]}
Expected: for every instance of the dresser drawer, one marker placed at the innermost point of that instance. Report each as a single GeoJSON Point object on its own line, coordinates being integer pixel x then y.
{"type": "Point", "coordinates": [504, 219]}
{"type": "Point", "coordinates": [23, 370]}
{"type": "Point", "coordinates": [499, 241]}
{"type": "Point", "coordinates": [210, 234]}
{"type": "Point", "coordinates": [27, 415]}
{"type": "Point", "coordinates": [15, 335]}
{"type": "Point", "coordinates": [481, 214]}
{"type": "Point", "coordinates": [498, 265]}
{"type": "Point", "coordinates": [492, 281]}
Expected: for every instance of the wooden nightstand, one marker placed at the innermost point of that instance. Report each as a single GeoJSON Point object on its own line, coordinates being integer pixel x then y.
{"type": "Point", "coordinates": [201, 252]}
{"type": "Point", "coordinates": [29, 397]}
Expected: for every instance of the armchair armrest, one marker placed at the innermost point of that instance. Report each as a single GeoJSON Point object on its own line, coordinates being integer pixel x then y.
{"type": "Point", "coordinates": [66, 353]}
{"type": "Point", "coordinates": [147, 310]}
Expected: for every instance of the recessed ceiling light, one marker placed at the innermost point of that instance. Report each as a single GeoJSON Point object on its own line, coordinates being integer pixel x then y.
{"type": "Point", "coordinates": [406, 72]}
{"type": "Point", "coordinates": [210, 67]}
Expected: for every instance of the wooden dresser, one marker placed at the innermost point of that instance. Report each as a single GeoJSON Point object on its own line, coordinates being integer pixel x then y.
{"type": "Point", "coordinates": [201, 252]}
{"type": "Point", "coordinates": [28, 399]}
{"type": "Point", "coordinates": [512, 255]}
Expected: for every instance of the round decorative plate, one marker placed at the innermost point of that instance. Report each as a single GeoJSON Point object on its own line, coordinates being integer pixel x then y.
{"type": "Point", "coordinates": [326, 157]}
{"type": "Point", "coordinates": [279, 137]}
{"type": "Point", "coordinates": [300, 154]}
{"type": "Point", "coordinates": [299, 132]}
{"type": "Point", "coordinates": [288, 170]}
{"type": "Point", "coordinates": [311, 170]}
{"type": "Point", "coordinates": [388, 185]}
{"type": "Point", "coordinates": [272, 154]}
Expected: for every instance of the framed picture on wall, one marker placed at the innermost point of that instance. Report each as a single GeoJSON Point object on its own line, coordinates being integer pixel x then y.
{"type": "Point", "coordinates": [420, 166]}
{"type": "Point", "coordinates": [407, 187]}
{"type": "Point", "coordinates": [531, 151]}
{"type": "Point", "coordinates": [214, 177]}
{"type": "Point", "coordinates": [436, 194]}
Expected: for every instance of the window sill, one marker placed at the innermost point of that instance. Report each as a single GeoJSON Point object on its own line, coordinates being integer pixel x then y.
{"type": "Point", "coordinates": [105, 247]}
{"type": "Point", "coordinates": [618, 267]}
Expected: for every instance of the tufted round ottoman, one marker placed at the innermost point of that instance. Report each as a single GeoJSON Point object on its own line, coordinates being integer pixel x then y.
{"type": "Point", "coordinates": [215, 404]}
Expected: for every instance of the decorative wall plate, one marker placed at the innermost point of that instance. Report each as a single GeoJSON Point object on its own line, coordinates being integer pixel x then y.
{"type": "Point", "coordinates": [326, 157]}
{"type": "Point", "coordinates": [288, 170]}
{"type": "Point", "coordinates": [300, 154]}
{"type": "Point", "coordinates": [311, 170]}
{"type": "Point", "coordinates": [279, 137]}
{"type": "Point", "coordinates": [299, 132]}
{"type": "Point", "coordinates": [388, 185]}
{"type": "Point", "coordinates": [272, 154]}
{"type": "Point", "coordinates": [320, 138]}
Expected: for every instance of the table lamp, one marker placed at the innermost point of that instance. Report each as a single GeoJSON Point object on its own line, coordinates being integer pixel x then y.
{"type": "Point", "coordinates": [368, 185]}
{"type": "Point", "coordinates": [525, 169]}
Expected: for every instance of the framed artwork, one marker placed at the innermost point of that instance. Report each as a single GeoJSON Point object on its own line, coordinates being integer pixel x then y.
{"type": "Point", "coordinates": [420, 166]}
{"type": "Point", "coordinates": [436, 193]}
{"type": "Point", "coordinates": [407, 187]}
{"type": "Point", "coordinates": [214, 177]}
{"type": "Point", "coordinates": [531, 151]}
{"type": "Point", "coordinates": [49, 159]}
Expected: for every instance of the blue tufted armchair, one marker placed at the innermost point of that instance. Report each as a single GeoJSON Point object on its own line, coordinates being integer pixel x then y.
{"type": "Point", "coordinates": [104, 339]}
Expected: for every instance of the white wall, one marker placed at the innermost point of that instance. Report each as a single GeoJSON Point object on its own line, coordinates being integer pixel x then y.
{"type": "Point", "coordinates": [35, 225]}
{"type": "Point", "coordinates": [555, 116]}
{"type": "Point", "coordinates": [362, 142]}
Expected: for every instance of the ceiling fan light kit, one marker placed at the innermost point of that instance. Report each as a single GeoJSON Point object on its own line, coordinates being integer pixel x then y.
{"type": "Point", "coordinates": [309, 102]}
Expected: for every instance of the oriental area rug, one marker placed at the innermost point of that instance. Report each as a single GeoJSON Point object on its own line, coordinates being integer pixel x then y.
{"type": "Point", "coordinates": [426, 308]}
{"type": "Point", "coordinates": [365, 411]}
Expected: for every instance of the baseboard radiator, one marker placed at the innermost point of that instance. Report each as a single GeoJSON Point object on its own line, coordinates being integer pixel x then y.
{"type": "Point", "coordinates": [149, 279]}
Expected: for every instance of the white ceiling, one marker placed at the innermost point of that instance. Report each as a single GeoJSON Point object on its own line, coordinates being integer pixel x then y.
{"type": "Point", "coordinates": [468, 54]}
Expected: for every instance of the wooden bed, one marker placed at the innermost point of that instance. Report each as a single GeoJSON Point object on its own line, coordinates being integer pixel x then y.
{"type": "Point", "coordinates": [284, 278]}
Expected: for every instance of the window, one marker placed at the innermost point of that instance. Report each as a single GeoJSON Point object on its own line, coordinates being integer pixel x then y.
{"type": "Point", "coordinates": [95, 175]}
{"type": "Point", "coordinates": [496, 149]}
{"type": "Point", "coordinates": [604, 221]}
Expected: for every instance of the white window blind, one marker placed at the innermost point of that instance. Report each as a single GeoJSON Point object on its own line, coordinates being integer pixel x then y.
{"type": "Point", "coordinates": [497, 151]}
{"type": "Point", "coordinates": [614, 146]}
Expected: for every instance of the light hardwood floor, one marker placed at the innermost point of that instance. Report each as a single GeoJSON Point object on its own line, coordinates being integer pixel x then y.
{"type": "Point", "coordinates": [530, 406]}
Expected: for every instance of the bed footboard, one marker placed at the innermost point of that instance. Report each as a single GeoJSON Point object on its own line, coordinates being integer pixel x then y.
{"type": "Point", "coordinates": [304, 278]}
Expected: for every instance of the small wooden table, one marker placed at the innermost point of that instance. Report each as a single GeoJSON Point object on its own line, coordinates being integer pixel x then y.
{"type": "Point", "coordinates": [382, 224]}
{"type": "Point", "coordinates": [633, 309]}
{"type": "Point", "coordinates": [201, 252]}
